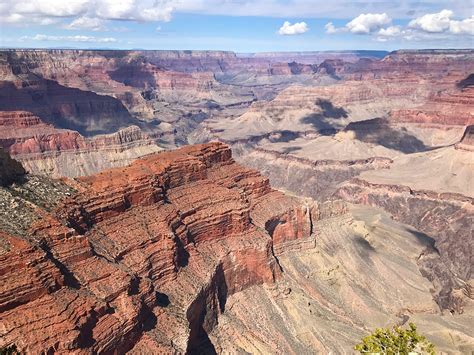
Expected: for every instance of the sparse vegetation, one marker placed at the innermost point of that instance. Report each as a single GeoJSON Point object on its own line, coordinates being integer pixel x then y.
{"type": "Point", "coordinates": [398, 340]}
{"type": "Point", "coordinates": [9, 350]}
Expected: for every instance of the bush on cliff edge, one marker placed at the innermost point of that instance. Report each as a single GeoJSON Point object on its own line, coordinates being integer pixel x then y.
{"type": "Point", "coordinates": [394, 342]}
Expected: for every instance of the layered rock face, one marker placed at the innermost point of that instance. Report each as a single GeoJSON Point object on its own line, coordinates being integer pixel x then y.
{"type": "Point", "coordinates": [449, 108]}
{"type": "Point", "coordinates": [362, 274]}
{"type": "Point", "coordinates": [392, 134]}
{"type": "Point", "coordinates": [451, 65]}
{"type": "Point", "coordinates": [42, 148]}
{"type": "Point", "coordinates": [142, 257]}
{"type": "Point", "coordinates": [166, 94]}
{"type": "Point", "coordinates": [446, 217]}
{"type": "Point", "coordinates": [187, 251]}
{"type": "Point", "coordinates": [467, 141]}
{"type": "Point", "coordinates": [84, 111]}
{"type": "Point", "coordinates": [432, 191]}
{"type": "Point", "coordinates": [180, 97]}
{"type": "Point", "coordinates": [309, 139]}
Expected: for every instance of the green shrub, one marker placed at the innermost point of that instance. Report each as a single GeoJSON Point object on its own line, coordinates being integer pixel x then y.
{"type": "Point", "coordinates": [9, 350]}
{"type": "Point", "coordinates": [397, 341]}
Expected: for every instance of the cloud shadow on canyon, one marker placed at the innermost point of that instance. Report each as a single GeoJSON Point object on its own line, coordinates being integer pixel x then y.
{"type": "Point", "coordinates": [288, 150]}
{"type": "Point", "coordinates": [134, 75]}
{"type": "Point", "coordinates": [365, 249]}
{"type": "Point", "coordinates": [68, 108]}
{"type": "Point", "coordinates": [466, 82]}
{"type": "Point", "coordinates": [323, 121]}
{"type": "Point", "coordinates": [424, 239]}
{"type": "Point", "coordinates": [376, 131]}
{"type": "Point", "coordinates": [379, 131]}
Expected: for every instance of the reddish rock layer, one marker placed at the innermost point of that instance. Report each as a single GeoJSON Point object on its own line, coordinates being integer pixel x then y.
{"type": "Point", "coordinates": [32, 135]}
{"type": "Point", "coordinates": [155, 247]}
{"type": "Point", "coordinates": [450, 65]}
{"type": "Point", "coordinates": [168, 94]}
{"type": "Point", "coordinates": [33, 142]}
{"type": "Point", "coordinates": [452, 107]}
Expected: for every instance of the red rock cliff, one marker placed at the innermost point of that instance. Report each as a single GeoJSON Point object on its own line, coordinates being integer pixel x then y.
{"type": "Point", "coordinates": [142, 258]}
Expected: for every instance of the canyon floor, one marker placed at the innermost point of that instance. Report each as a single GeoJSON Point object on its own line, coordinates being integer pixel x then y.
{"type": "Point", "coordinates": [208, 202]}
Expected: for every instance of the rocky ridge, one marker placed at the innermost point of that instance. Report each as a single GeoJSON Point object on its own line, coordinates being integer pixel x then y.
{"type": "Point", "coordinates": [42, 148]}
{"type": "Point", "coordinates": [80, 282]}
{"type": "Point", "coordinates": [394, 134]}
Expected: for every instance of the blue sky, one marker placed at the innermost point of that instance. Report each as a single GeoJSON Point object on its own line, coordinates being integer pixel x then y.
{"type": "Point", "coordinates": [239, 25]}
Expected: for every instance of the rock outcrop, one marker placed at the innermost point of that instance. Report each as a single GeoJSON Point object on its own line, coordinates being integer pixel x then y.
{"type": "Point", "coordinates": [467, 140]}
{"type": "Point", "coordinates": [431, 191]}
{"type": "Point", "coordinates": [452, 107]}
{"type": "Point", "coordinates": [387, 135]}
{"type": "Point", "coordinates": [42, 148]}
{"type": "Point", "coordinates": [144, 257]}
{"type": "Point", "coordinates": [188, 251]}
{"type": "Point", "coordinates": [362, 274]}
{"type": "Point", "coordinates": [10, 169]}
{"type": "Point", "coordinates": [160, 96]}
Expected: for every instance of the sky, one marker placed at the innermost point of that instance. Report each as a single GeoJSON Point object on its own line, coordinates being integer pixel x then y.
{"type": "Point", "coordinates": [237, 25]}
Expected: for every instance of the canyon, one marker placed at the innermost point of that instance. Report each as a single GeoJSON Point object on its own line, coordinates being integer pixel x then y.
{"type": "Point", "coordinates": [213, 202]}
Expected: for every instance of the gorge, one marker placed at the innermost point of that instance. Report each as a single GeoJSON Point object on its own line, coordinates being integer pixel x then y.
{"type": "Point", "coordinates": [213, 202]}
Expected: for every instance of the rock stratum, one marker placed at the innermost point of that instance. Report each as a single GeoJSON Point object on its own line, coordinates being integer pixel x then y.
{"type": "Point", "coordinates": [120, 247]}
{"type": "Point", "coordinates": [189, 252]}
{"type": "Point", "coordinates": [155, 248]}
{"type": "Point", "coordinates": [394, 134]}
{"type": "Point", "coordinates": [161, 95]}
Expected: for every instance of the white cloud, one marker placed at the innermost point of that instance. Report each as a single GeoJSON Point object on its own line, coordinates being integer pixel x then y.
{"type": "Point", "coordinates": [334, 9]}
{"type": "Point", "coordinates": [53, 8]}
{"type": "Point", "coordinates": [442, 22]}
{"type": "Point", "coordinates": [159, 10]}
{"type": "Point", "coordinates": [86, 23]}
{"type": "Point", "coordinates": [438, 22]}
{"type": "Point", "coordinates": [430, 27]}
{"type": "Point", "coordinates": [85, 14]}
{"type": "Point", "coordinates": [137, 10]}
{"type": "Point", "coordinates": [19, 19]}
{"type": "Point", "coordinates": [12, 18]}
{"type": "Point", "coordinates": [465, 26]}
{"type": "Point", "coordinates": [362, 24]}
{"type": "Point", "coordinates": [296, 29]}
{"type": "Point", "coordinates": [78, 38]}
{"type": "Point", "coordinates": [367, 23]}
{"type": "Point", "coordinates": [391, 31]}
{"type": "Point", "coordinates": [331, 29]}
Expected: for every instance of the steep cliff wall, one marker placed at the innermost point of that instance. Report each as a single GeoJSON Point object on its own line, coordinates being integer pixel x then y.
{"type": "Point", "coordinates": [44, 149]}
{"type": "Point", "coordinates": [147, 253]}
